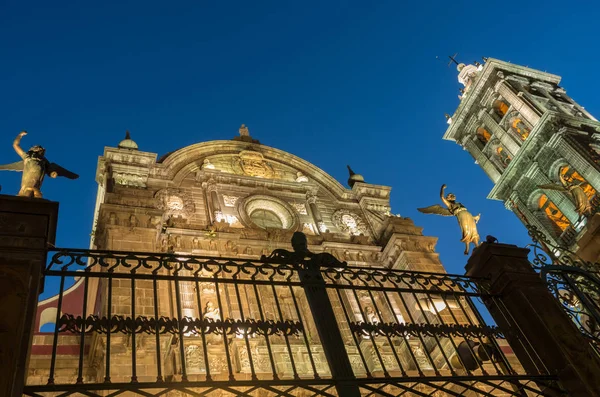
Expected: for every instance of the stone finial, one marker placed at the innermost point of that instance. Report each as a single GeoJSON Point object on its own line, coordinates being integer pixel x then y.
{"type": "Point", "coordinates": [128, 143]}
{"type": "Point", "coordinates": [244, 130]}
{"type": "Point", "coordinates": [354, 177]}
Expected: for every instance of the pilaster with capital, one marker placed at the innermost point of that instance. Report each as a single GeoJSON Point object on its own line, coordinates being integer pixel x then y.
{"type": "Point", "coordinates": [517, 102]}
{"type": "Point", "coordinates": [508, 141]}
{"type": "Point", "coordinates": [311, 199]}
{"type": "Point", "coordinates": [481, 159]}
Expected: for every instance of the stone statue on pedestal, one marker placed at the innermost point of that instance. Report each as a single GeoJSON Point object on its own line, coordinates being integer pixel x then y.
{"type": "Point", "coordinates": [35, 167]}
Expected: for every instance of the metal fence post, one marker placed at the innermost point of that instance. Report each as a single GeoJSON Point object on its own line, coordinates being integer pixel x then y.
{"type": "Point", "coordinates": [541, 334]}
{"type": "Point", "coordinates": [329, 332]}
{"type": "Point", "coordinates": [26, 227]}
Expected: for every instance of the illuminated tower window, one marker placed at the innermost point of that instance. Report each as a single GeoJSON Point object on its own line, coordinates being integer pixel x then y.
{"type": "Point", "coordinates": [570, 175]}
{"type": "Point", "coordinates": [519, 127]}
{"type": "Point", "coordinates": [500, 107]}
{"type": "Point", "coordinates": [483, 135]}
{"type": "Point", "coordinates": [558, 219]}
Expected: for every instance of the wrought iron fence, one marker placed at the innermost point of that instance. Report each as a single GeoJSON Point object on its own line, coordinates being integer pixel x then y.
{"type": "Point", "coordinates": [291, 324]}
{"type": "Point", "coordinates": [572, 280]}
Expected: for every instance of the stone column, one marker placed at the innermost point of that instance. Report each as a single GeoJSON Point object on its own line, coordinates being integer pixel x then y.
{"type": "Point", "coordinates": [481, 159]}
{"type": "Point", "coordinates": [507, 140]}
{"type": "Point", "coordinates": [543, 337]}
{"type": "Point", "coordinates": [311, 199]}
{"type": "Point", "coordinates": [517, 103]}
{"type": "Point", "coordinates": [27, 227]}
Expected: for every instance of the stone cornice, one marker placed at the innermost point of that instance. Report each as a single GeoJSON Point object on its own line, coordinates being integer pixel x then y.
{"type": "Point", "coordinates": [471, 99]}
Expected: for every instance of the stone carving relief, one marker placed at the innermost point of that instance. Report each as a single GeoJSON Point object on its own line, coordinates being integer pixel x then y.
{"type": "Point", "coordinates": [125, 179]}
{"type": "Point", "coordinates": [322, 227]}
{"type": "Point", "coordinates": [308, 228]}
{"type": "Point", "coordinates": [133, 221]}
{"type": "Point", "coordinates": [300, 177]}
{"type": "Point", "coordinates": [194, 359]}
{"type": "Point", "coordinates": [212, 312]}
{"type": "Point", "coordinates": [231, 220]}
{"type": "Point", "coordinates": [349, 222]}
{"type": "Point", "coordinates": [175, 202]}
{"type": "Point", "coordinates": [300, 208]}
{"type": "Point", "coordinates": [252, 163]}
{"type": "Point", "coordinates": [230, 201]}
{"type": "Point", "coordinates": [207, 165]}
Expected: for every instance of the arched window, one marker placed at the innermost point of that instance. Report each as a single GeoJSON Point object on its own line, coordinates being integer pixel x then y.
{"type": "Point", "coordinates": [570, 175]}
{"type": "Point", "coordinates": [483, 135]}
{"type": "Point", "coordinates": [503, 156]}
{"type": "Point", "coordinates": [500, 107]}
{"type": "Point", "coordinates": [558, 220]}
{"type": "Point", "coordinates": [519, 127]}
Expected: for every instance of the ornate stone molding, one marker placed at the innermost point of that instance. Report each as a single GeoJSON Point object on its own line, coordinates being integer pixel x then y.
{"type": "Point", "coordinates": [349, 222]}
{"type": "Point", "coordinates": [177, 202]}
{"type": "Point", "coordinates": [251, 163]}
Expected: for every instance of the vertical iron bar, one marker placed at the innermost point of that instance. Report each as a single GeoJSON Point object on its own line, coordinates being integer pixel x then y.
{"type": "Point", "coordinates": [480, 320]}
{"type": "Point", "coordinates": [389, 303]}
{"type": "Point", "coordinates": [321, 308]}
{"type": "Point", "coordinates": [268, 343]}
{"type": "Point", "coordinates": [109, 327]}
{"type": "Point", "coordinates": [239, 302]}
{"type": "Point", "coordinates": [371, 336]}
{"type": "Point", "coordinates": [412, 320]}
{"type": "Point", "coordinates": [356, 341]}
{"type": "Point", "coordinates": [55, 340]}
{"type": "Point", "coordinates": [441, 320]}
{"type": "Point", "coordinates": [225, 342]}
{"type": "Point", "coordinates": [83, 326]}
{"type": "Point", "coordinates": [133, 328]}
{"type": "Point", "coordinates": [435, 337]}
{"type": "Point", "coordinates": [180, 323]}
{"type": "Point", "coordinates": [381, 320]}
{"type": "Point", "coordinates": [443, 296]}
{"type": "Point", "coordinates": [304, 334]}
{"type": "Point", "coordinates": [202, 330]}
{"type": "Point", "coordinates": [159, 377]}
{"type": "Point", "coordinates": [287, 341]}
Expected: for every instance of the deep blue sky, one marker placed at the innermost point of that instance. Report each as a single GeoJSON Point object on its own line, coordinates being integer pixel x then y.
{"type": "Point", "coordinates": [333, 82]}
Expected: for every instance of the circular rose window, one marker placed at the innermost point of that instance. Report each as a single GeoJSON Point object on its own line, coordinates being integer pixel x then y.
{"type": "Point", "coordinates": [267, 212]}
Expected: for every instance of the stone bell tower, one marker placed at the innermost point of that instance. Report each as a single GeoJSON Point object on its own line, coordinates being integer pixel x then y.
{"type": "Point", "coordinates": [539, 147]}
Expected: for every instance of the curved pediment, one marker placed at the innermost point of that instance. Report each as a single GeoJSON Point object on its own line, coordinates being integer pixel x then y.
{"type": "Point", "coordinates": [239, 158]}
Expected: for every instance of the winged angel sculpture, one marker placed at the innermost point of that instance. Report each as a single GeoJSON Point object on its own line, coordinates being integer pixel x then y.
{"type": "Point", "coordinates": [466, 221]}
{"type": "Point", "coordinates": [35, 167]}
{"type": "Point", "coordinates": [583, 206]}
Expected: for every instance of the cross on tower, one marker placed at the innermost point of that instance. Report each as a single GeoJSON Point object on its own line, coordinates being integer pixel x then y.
{"type": "Point", "coordinates": [453, 59]}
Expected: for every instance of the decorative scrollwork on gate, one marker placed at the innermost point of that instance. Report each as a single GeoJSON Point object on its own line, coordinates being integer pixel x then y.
{"type": "Point", "coordinates": [407, 330]}
{"type": "Point", "coordinates": [574, 281]}
{"type": "Point", "coordinates": [188, 326]}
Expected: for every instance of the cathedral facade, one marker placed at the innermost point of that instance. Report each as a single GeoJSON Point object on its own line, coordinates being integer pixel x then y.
{"type": "Point", "coordinates": [540, 148]}
{"type": "Point", "coordinates": [239, 199]}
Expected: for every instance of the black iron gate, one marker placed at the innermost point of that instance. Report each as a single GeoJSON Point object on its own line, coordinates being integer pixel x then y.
{"type": "Point", "coordinates": [291, 324]}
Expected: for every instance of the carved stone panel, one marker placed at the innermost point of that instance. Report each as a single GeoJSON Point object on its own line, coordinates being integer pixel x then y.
{"type": "Point", "coordinates": [177, 202]}
{"type": "Point", "coordinates": [349, 222]}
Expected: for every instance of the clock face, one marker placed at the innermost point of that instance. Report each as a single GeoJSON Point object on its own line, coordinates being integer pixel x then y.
{"type": "Point", "coordinates": [266, 219]}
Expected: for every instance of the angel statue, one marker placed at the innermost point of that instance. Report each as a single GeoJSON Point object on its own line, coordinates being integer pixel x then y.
{"type": "Point", "coordinates": [34, 166]}
{"type": "Point", "coordinates": [466, 221]}
{"type": "Point", "coordinates": [575, 188]}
